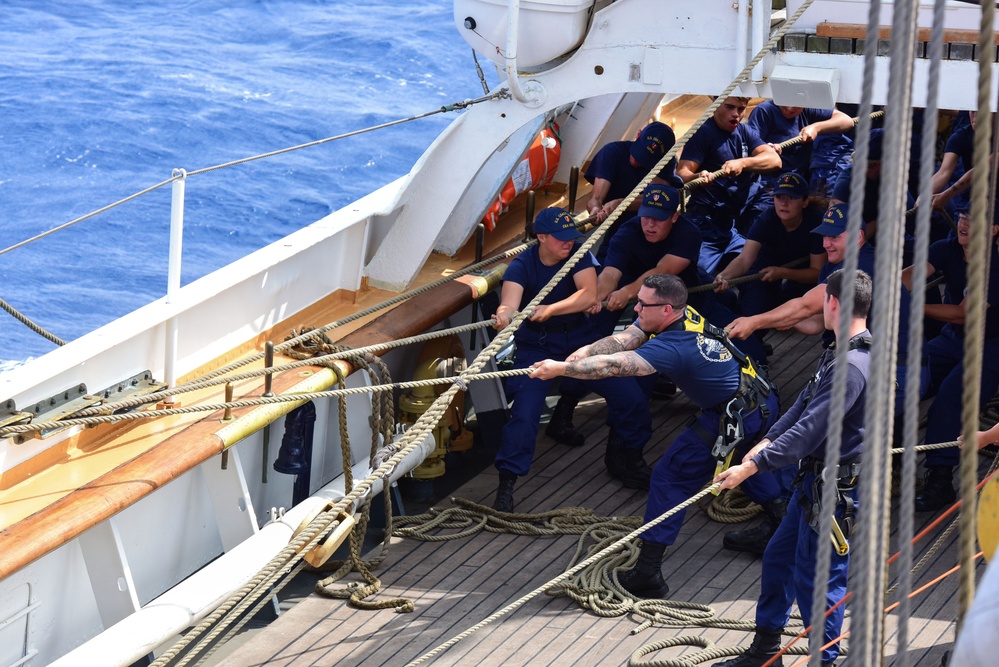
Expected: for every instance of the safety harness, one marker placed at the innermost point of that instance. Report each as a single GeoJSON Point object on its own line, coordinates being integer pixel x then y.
{"type": "Point", "coordinates": [754, 388]}
{"type": "Point", "coordinates": [847, 472]}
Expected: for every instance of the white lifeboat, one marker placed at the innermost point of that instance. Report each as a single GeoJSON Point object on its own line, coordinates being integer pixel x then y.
{"type": "Point", "coordinates": [547, 28]}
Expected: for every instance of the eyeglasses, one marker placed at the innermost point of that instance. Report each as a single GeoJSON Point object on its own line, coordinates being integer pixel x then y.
{"type": "Point", "coordinates": [641, 305]}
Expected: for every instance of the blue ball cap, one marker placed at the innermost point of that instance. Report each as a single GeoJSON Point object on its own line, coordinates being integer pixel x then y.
{"type": "Point", "coordinates": [874, 145]}
{"type": "Point", "coordinates": [558, 223]}
{"type": "Point", "coordinates": [835, 220]}
{"type": "Point", "coordinates": [652, 144]}
{"type": "Point", "coordinates": [659, 201]}
{"type": "Point", "coordinates": [792, 185]}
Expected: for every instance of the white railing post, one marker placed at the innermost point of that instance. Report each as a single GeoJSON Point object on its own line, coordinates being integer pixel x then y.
{"type": "Point", "coordinates": [173, 276]}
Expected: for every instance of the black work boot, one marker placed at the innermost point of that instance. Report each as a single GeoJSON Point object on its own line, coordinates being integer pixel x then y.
{"type": "Point", "coordinates": [755, 538]}
{"type": "Point", "coordinates": [766, 644]}
{"type": "Point", "coordinates": [636, 473]}
{"type": "Point", "coordinates": [504, 493]}
{"type": "Point", "coordinates": [645, 580]}
{"type": "Point", "coordinates": [627, 465]}
{"type": "Point", "coordinates": [560, 427]}
{"type": "Point", "coordinates": [938, 491]}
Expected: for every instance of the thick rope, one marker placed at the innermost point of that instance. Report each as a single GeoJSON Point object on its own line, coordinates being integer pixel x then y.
{"type": "Point", "coordinates": [305, 360]}
{"type": "Point", "coordinates": [979, 246]}
{"type": "Point", "coordinates": [872, 542]}
{"type": "Point", "coordinates": [732, 506]}
{"type": "Point", "coordinates": [910, 424]}
{"type": "Point", "coordinates": [260, 400]}
{"type": "Point", "coordinates": [823, 557]}
{"type": "Point", "coordinates": [563, 577]}
{"type": "Point", "coordinates": [23, 319]}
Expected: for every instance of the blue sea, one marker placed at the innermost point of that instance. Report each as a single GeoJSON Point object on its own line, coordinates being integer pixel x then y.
{"type": "Point", "coordinates": [101, 99]}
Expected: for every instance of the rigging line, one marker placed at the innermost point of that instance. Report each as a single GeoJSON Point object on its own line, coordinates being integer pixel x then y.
{"type": "Point", "coordinates": [248, 375]}
{"type": "Point", "coordinates": [823, 557]}
{"type": "Point", "coordinates": [974, 330]}
{"type": "Point", "coordinates": [450, 107]}
{"type": "Point", "coordinates": [261, 400]}
{"type": "Point", "coordinates": [910, 426]}
{"type": "Point", "coordinates": [399, 298]}
{"type": "Point", "coordinates": [444, 109]}
{"type": "Point", "coordinates": [89, 215]}
{"type": "Point", "coordinates": [23, 319]}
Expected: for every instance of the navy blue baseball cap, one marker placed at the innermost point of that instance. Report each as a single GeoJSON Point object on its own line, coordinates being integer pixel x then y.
{"type": "Point", "coordinates": [652, 143]}
{"type": "Point", "coordinates": [558, 223]}
{"type": "Point", "coordinates": [835, 220]}
{"type": "Point", "coordinates": [792, 185]}
{"type": "Point", "coordinates": [874, 145]}
{"type": "Point", "coordinates": [659, 201]}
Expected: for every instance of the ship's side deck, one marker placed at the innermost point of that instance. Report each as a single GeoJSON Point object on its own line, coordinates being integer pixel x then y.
{"type": "Point", "coordinates": [456, 584]}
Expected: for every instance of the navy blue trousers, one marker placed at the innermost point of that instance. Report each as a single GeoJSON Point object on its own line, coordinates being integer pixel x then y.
{"type": "Point", "coordinates": [789, 570]}
{"type": "Point", "coordinates": [688, 465]}
{"type": "Point", "coordinates": [627, 405]}
{"type": "Point", "coordinates": [945, 359]}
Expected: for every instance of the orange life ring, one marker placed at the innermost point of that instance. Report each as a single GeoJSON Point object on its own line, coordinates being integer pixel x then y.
{"type": "Point", "coordinates": [536, 170]}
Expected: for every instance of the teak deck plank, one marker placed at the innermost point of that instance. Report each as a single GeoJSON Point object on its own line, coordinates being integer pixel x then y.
{"type": "Point", "coordinates": [457, 584]}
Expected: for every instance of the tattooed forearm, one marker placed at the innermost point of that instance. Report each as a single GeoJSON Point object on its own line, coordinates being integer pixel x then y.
{"type": "Point", "coordinates": [629, 339]}
{"type": "Point", "coordinates": [608, 345]}
{"type": "Point", "coordinates": [609, 365]}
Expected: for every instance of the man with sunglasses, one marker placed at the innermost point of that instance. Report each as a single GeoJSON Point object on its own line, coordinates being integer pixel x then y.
{"type": "Point", "coordinates": [670, 338]}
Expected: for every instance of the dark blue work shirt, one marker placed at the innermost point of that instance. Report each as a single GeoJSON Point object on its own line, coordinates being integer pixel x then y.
{"type": "Point", "coordinates": [529, 272]}
{"type": "Point", "coordinates": [701, 367]}
{"type": "Point", "coordinates": [772, 127]}
{"type": "Point", "coordinates": [780, 246]}
{"type": "Point", "coordinates": [801, 431]}
{"type": "Point", "coordinates": [710, 148]}
{"type": "Point", "coordinates": [947, 256]}
{"type": "Point", "coordinates": [632, 255]}
{"type": "Point", "coordinates": [872, 189]}
{"type": "Point", "coordinates": [612, 163]}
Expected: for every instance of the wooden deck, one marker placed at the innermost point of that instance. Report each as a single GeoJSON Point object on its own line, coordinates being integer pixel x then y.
{"type": "Point", "coordinates": [456, 584]}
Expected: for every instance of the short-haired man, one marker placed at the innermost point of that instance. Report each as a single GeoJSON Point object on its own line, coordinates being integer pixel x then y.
{"type": "Point", "coordinates": [723, 143]}
{"type": "Point", "coordinates": [804, 313]}
{"type": "Point", "coordinates": [673, 339]}
{"type": "Point", "coordinates": [657, 240]}
{"type": "Point", "coordinates": [800, 435]}
{"type": "Point", "coordinates": [618, 168]}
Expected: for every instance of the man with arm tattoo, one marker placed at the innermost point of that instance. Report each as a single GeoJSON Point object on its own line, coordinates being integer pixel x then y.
{"type": "Point", "coordinates": [671, 338]}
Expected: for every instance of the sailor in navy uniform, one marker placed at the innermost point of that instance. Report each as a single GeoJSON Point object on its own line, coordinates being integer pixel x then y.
{"type": "Point", "coordinates": [723, 143]}
{"type": "Point", "coordinates": [657, 240]}
{"type": "Point", "coordinates": [944, 356]}
{"type": "Point", "coordinates": [800, 435]}
{"type": "Point", "coordinates": [618, 168]}
{"type": "Point", "coordinates": [776, 124]}
{"type": "Point", "coordinates": [736, 401]}
{"type": "Point", "coordinates": [557, 327]}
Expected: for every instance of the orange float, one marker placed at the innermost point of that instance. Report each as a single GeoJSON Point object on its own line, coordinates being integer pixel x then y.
{"type": "Point", "coordinates": [535, 170]}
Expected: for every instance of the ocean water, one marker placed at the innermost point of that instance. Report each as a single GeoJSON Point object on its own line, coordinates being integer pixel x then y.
{"type": "Point", "coordinates": [101, 99]}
